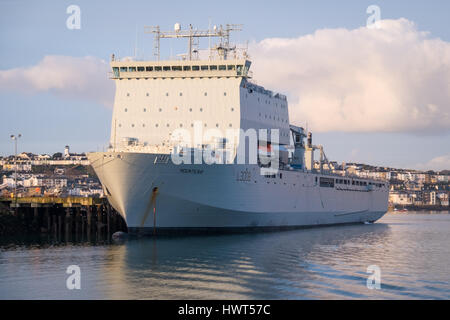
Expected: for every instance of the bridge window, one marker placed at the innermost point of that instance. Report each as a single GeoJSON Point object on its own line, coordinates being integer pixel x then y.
{"type": "Point", "coordinates": [204, 68]}
{"type": "Point", "coordinates": [230, 67]}
{"type": "Point", "coordinates": [123, 69]}
{"type": "Point", "coordinates": [212, 67]}
{"type": "Point", "coordinates": [158, 68]}
{"type": "Point", "coordinates": [176, 68]}
{"type": "Point", "coordinates": [140, 69]}
{"type": "Point", "coordinates": [132, 69]}
{"type": "Point", "coordinates": [166, 68]}
{"type": "Point", "coordinates": [148, 69]}
{"type": "Point", "coordinates": [187, 68]}
{"type": "Point", "coordinates": [222, 67]}
{"type": "Point", "coordinates": [195, 68]}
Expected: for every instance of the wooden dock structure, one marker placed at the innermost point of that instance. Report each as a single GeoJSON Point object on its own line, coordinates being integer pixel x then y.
{"type": "Point", "coordinates": [66, 216]}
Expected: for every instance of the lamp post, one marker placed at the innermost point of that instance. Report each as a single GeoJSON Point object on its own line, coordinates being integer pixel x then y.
{"type": "Point", "coordinates": [15, 138]}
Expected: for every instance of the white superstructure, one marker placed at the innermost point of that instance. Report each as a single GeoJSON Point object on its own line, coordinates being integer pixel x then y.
{"type": "Point", "coordinates": [208, 98]}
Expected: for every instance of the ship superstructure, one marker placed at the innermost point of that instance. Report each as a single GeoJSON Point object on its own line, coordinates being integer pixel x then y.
{"type": "Point", "coordinates": [212, 105]}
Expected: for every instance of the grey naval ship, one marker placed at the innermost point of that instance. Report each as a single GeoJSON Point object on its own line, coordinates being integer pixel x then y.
{"type": "Point", "coordinates": [272, 182]}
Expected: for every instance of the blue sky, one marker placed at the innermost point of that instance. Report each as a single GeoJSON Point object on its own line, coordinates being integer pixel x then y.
{"type": "Point", "coordinates": [31, 30]}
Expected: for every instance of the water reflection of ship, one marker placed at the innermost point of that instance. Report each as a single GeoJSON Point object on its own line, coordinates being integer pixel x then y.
{"type": "Point", "coordinates": [238, 266]}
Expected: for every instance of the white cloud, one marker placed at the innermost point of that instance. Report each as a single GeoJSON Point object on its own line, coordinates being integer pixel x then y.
{"type": "Point", "coordinates": [72, 77]}
{"type": "Point", "coordinates": [439, 163]}
{"type": "Point", "coordinates": [392, 79]}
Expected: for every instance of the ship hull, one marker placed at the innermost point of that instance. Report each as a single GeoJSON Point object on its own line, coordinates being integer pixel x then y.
{"type": "Point", "coordinates": [155, 195]}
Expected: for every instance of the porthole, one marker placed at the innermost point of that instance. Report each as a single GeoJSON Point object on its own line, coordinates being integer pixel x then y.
{"type": "Point", "coordinates": [126, 109]}
{"type": "Point", "coordinates": [145, 110]}
{"type": "Point", "coordinates": [206, 93]}
{"type": "Point", "coordinates": [128, 94]}
{"type": "Point", "coordinates": [167, 125]}
{"type": "Point", "coordinates": [167, 94]}
{"type": "Point", "coordinates": [132, 125]}
{"type": "Point", "coordinates": [217, 125]}
{"type": "Point", "coordinates": [232, 109]}
{"type": "Point", "coordinates": [201, 109]}
{"type": "Point", "coordinates": [181, 94]}
{"type": "Point", "coordinates": [147, 94]}
{"type": "Point", "coordinates": [181, 125]}
{"type": "Point", "coordinates": [224, 93]}
{"type": "Point", "coordinates": [156, 125]}
{"type": "Point", "coordinates": [190, 109]}
{"type": "Point", "coordinates": [143, 125]}
{"type": "Point", "coordinates": [160, 109]}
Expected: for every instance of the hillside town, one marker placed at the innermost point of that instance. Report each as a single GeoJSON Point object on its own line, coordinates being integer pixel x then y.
{"type": "Point", "coordinates": [61, 175]}
{"type": "Point", "coordinates": [66, 174]}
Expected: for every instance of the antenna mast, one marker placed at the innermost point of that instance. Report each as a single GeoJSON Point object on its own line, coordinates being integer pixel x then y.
{"type": "Point", "coordinates": [192, 35]}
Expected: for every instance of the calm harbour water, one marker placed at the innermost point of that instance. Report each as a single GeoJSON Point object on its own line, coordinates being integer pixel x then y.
{"type": "Point", "coordinates": [412, 251]}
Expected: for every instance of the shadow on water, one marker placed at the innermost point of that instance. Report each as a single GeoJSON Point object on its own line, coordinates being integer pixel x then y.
{"type": "Point", "coordinates": [275, 265]}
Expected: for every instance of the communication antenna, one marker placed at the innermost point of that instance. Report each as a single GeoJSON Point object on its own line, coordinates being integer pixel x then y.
{"type": "Point", "coordinates": [193, 36]}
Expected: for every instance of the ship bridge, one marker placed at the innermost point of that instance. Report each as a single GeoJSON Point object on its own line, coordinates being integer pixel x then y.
{"type": "Point", "coordinates": [180, 69]}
